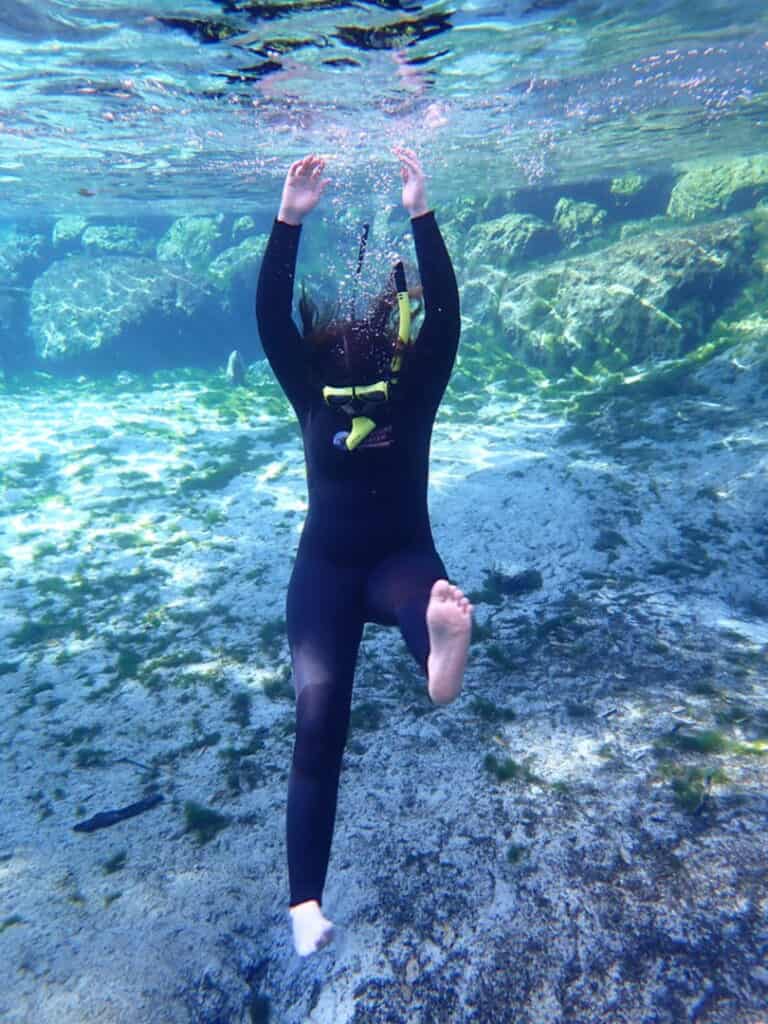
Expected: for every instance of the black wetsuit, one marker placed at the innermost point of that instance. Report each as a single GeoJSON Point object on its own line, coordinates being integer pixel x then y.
{"type": "Point", "coordinates": [366, 552]}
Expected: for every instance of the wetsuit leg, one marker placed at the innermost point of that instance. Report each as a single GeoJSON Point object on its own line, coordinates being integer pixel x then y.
{"type": "Point", "coordinates": [325, 624]}
{"type": "Point", "coordinates": [397, 593]}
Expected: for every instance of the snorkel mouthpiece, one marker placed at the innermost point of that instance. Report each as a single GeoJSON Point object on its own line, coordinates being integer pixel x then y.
{"type": "Point", "coordinates": [361, 428]}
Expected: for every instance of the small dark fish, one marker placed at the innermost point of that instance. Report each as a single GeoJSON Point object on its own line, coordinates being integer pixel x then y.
{"type": "Point", "coordinates": [106, 818]}
{"type": "Point", "coordinates": [85, 192]}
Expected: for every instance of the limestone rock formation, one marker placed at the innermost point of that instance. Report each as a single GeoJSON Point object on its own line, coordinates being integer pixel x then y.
{"type": "Point", "coordinates": [725, 187]}
{"type": "Point", "coordinates": [650, 296]}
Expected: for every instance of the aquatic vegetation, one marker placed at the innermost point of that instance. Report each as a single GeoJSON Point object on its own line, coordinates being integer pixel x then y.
{"type": "Point", "coordinates": [516, 853]}
{"type": "Point", "coordinates": [366, 716]}
{"type": "Point", "coordinates": [691, 785]}
{"type": "Point", "coordinates": [203, 822]}
{"type": "Point", "coordinates": [89, 757]}
{"type": "Point", "coordinates": [490, 712]}
{"type": "Point", "coordinates": [240, 705]}
{"type": "Point", "coordinates": [240, 769]}
{"type": "Point", "coordinates": [128, 662]}
{"type": "Point", "coordinates": [48, 628]}
{"type": "Point", "coordinates": [115, 863]}
{"type": "Point", "coordinates": [79, 734]}
{"type": "Point", "coordinates": [272, 636]}
{"type": "Point", "coordinates": [509, 769]}
{"type": "Point", "coordinates": [709, 741]}
{"type": "Point", "coordinates": [280, 686]}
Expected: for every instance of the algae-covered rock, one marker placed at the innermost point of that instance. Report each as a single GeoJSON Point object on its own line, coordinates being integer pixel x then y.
{"type": "Point", "coordinates": [626, 187]}
{"type": "Point", "coordinates": [577, 222]}
{"type": "Point", "coordinates": [239, 261]}
{"type": "Point", "coordinates": [651, 296]}
{"type": "Point", "coordinates": [118, 238]}
{"type": "Point", "coordinates": [68, 229]}
{"type": "Point", "coordinates": [243, 226]}
{"type": "Point", "coordinates": [82, 304]}
{"type": "Point", "coordinates": [192, 242]}
{"type": "Point", "coordinates": [719, 188]}
{"type": "Point", "coordinates": [506, 241]}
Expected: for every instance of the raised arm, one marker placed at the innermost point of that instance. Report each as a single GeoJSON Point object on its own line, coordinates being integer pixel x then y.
{"type": "Point", "coordinates": [280, 338]}
{"type": "Point", "coordinates": [434, 351]}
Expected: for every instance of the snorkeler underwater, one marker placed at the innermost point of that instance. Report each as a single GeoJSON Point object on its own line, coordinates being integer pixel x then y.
{"type": "Point", "coordinates": [383, 533]}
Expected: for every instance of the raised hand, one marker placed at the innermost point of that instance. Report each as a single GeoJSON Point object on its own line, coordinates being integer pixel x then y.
{"type": "Point", "coordinates": [304, 184]}
{"type": "Point", "coordinates": [414, 181]}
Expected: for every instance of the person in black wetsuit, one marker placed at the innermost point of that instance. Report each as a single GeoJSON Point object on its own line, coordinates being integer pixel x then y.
{"type": "Point", "coordinates": [366, 402]}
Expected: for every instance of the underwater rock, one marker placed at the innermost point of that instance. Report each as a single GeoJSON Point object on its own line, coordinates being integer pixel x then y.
{"type": "Point", "coordinates": [509, 240]}
{"type": "Point", "coordinates": [118, 238]}
{"type": "Point", "coordinates": [719, 188]}
{"type": "Point", "coordinates": [650, 296]}
{"type": "Point", "coordinates": [626, 187]}
{"type": "Point", "coordinates": [191, 242]}
{"type": "Point", "coordinates": [20, 254]}
{"type": "Point", "coordinates": [239, 261]}
{"type": "Point", "coordinates": [243, 226]}
{"type": "Point", "coordinates": [577, 222]}
{"type": "Point", "coordinates": [68, 229]}
{"type": "Point", "coordinates": [81, 305]}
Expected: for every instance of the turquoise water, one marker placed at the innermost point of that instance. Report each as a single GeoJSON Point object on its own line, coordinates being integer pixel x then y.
{"type": "Point", "coordinates": [580, 837]}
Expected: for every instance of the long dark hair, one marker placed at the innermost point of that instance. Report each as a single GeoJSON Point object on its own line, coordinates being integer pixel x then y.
{"type": "Point", "coordinates": [326, 329]}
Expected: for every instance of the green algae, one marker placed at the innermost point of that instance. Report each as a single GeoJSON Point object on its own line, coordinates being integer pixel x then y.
{"type": "Point", "coordinates": [490, 712]}
{"type": "Point", "coordinates": [49, 628]}
{"type": "Point", "coordinates": [691, 785]}
{"type": "Point", "coordinates": [79, 734]}
{"type": "Point", "coordinates": [709, 741]}
{"type": "Point", "coordinates": [115, 863]}
{"type": "Point", "coordinates": [272, 636]}
{"type": "Point", "coordinates": [240, 708]}
{"type": "Point", "coordinates": [203, 822]}
{"type": "Point", "coordinates": [508, 769]}
{"type": "Point", "coordinates": [128, 662]}
{"type": "Point", "coordinates": [279, 687]}
{"type": "Point", "coordinates": [366, 717]}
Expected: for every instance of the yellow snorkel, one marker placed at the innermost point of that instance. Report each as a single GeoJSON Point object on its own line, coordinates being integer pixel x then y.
{"type": "Point", "coordinates": [404, 317]}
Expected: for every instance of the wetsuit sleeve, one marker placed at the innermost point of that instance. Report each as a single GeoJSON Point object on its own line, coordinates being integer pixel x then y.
{"type": "Point", "coordinates": [280, 337]}
{"type": "Point", "coordinates": [434, 352]}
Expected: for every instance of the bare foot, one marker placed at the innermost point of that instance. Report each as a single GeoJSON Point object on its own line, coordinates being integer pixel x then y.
{"type": "Point", "coordinates": [449, 621]}
{"type": "Point", "coordinates": [311, 929]}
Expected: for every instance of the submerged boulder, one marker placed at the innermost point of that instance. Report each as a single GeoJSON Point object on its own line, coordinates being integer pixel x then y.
{"type": "Point", "coordinates": [237, 264]}
{"type": "Point", "coordinates": [67, 231]}
{"type": "Point", "coordinates": [577, 222]}
{"type": "Point", "coordinates": [21, 253]}
{"type": "Point", "coordinates": [650, 296]}
{"type": "Point", "coordinates": [116, 238]}
{"type": "Point", "coordinates": [506, 241]}
{"type": "Point", "coordinates": [111, 306]}
{"type": "Point", "coordinates": [719, 188]}
{"type": "Point", "coordinates": [192, 242]}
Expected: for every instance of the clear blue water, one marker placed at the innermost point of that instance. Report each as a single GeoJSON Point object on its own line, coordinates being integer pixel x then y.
{"type": "Point", "coordinates": [198, 106]}
{"type": "Point", "coordinates": [581, 838]}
